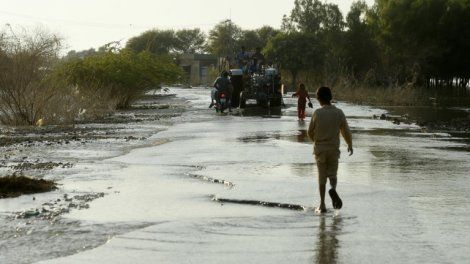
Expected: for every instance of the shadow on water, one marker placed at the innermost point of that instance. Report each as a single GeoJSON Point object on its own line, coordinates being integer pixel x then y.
{"type": "Point", "coordinates": [302, 169]}
{"type": "Point", "coordinates": [260, 137]}
{"type": "Point", "coordinates": [301, 137]}
{"type": "Point", "coordinates": [327, 245]}
{"type": "Point", "coordinates": [265, 112]}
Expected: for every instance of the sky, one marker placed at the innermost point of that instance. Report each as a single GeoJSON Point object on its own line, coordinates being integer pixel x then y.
{"type": "Point", "coordinates": [88, 24]}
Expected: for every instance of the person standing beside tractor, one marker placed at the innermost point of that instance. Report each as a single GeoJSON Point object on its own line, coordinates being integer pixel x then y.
{"type": "Point", "coordinates": [302, 96]}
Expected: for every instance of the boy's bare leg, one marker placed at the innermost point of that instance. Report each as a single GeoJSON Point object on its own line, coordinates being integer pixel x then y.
{"type": "Point", "coordinates": [333, 183]}
{"type": "Point", "coordinates": [322, 188]}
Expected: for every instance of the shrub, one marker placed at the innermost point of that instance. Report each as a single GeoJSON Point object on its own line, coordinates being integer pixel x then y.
{"type": "Point", "coordinates": [26, 60]}
{"type": "Point", "coordinates": [122, 76]}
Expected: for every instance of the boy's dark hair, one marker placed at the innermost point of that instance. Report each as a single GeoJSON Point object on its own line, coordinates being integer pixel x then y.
{"type": "Point", "coordinates": [324, 94]}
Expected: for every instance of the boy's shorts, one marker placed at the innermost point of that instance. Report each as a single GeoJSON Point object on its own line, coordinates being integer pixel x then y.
{"type": "Point", "coordinates": [327, 164]}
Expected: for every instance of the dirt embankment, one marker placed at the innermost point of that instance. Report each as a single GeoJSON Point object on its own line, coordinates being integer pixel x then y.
{"type": "Point", "coordinates": [448, 121]}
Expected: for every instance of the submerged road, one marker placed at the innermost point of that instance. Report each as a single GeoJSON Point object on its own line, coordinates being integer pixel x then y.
{"type": "Point", "coordinates": [406, 193]}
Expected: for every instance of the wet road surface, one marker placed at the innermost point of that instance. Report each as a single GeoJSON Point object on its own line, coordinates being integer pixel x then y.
{"type": "Point", "coordinates": [405, 193]}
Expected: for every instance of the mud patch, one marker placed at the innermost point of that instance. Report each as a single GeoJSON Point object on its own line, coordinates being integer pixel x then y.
{"type": "Point", "coordinates": [260, 137]}
{"type": "Point", "coordinates": [52, 210]}
{"type": "Point", "coordinates": [40, 165]}
{"type": "Point", "coordinates": [14, 186]}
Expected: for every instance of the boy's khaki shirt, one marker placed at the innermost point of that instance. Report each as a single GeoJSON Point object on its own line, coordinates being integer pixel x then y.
{"type": "Point", "coordinates": [326, 124]}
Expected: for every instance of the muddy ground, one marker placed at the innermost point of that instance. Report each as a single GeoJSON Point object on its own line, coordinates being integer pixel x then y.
{"type": "Point", "coordinates": [23, 148]}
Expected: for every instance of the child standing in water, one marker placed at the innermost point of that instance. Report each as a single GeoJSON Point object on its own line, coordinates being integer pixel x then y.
{"type": "Point", "coordinates": [302, 94]}
{"type": "Point", "coordinates": [325, 126]}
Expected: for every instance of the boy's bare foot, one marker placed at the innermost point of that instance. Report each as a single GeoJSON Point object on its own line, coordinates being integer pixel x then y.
{"type": "Point", "coordinates": [337, 203]}
{"type": "Point", "coordinates": [320, 209]}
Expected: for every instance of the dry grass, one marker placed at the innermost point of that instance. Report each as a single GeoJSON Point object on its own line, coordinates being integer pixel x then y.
{"type": "Point", "coordinates": [361, 92]}
{"type": "Point", "coordinates": [31, 90]}
{"type": "Point", "coordinates": [14, 186]}
{"type": "Point", "coordinates": [380, 96]}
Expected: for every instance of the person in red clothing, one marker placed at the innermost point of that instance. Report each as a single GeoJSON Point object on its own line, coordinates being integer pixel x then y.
{"type": "Point", "coordinates": [302, 94]}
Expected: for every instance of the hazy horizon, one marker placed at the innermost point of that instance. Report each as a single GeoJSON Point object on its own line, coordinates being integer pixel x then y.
{"type": "Point", "coordinates": [89, 24]}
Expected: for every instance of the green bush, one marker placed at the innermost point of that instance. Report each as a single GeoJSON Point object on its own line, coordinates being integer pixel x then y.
{"type": "Point", "coordinates": [122, 76]}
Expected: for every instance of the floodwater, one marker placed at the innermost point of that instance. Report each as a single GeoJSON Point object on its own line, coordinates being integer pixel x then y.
{"type": "Point", "coordinates": [205, 190]}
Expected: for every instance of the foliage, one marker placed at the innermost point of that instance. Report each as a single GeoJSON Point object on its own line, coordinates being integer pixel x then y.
{"type": "Point", "coordinates": [422, 42]}
{"type": "Point", "coordinates": [252, 39]}
{"type": "Point", "coordinates": [295, 52]}
{"type": "Point", "coordinates": [360, 47]}
{"type": "Point", "coordinates": [223, 39]}
{"type": "Point", "coordinates": [164, 42]}
{"type": "Point", "coordinates": [26, 62]}
{"type": "Point", "coordinates": [429, 38]}
{"type": "Point", "coordinates": [159, 42]}
{"type": "Point", "coordinates": [126, 75]}
{"type": "Point", "coordinates": [190, 41]}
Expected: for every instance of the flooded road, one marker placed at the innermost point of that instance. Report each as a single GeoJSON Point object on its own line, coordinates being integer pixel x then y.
{"type": "Point", "coordinates": [405, 194]}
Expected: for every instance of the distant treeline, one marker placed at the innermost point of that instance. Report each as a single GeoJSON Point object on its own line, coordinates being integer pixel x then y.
{"type": "Point", "coordinates": [420, 42]}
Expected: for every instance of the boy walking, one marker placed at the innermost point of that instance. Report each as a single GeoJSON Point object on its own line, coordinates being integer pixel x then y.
{"type": "Point", "coordinates": [326, 125]}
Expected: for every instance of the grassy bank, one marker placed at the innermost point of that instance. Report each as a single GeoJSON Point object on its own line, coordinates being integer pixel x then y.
{"type": "Point", "coordinates": [364, 93]}
{"type": "Point", "coordinates": [382, 96]}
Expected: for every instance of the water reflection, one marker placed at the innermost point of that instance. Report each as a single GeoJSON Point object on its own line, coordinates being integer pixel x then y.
{"type": "Point", "coordinates": [327, 242]}
{"type": "Point", "coordinates": [302, 136]}
{"type": "Point", "coordinates": [260, 137]}
{"type": "Point", "coordinates": [266, 112]}
{"type": "Point", "coordinates": [302, 169]}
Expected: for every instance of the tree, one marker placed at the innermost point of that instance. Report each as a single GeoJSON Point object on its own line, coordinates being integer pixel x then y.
{"type": "Point", "coordinates": [295, 52]}
{"type": "Point", "coordinates": [423, 39]}
{"type": "Point", "coordinates": [360, 47]}
{"type": "Point", "coordinates": [266, 33]}
{"type": "Point", "coordinates": [190, 41]}
{"type": "Point", "coordinates": [223, 39]}
{"type": "Point", "coordinates": [252, 39]}
{"type": "Point", "coordinates": [127, 75]}
{"type": "Point", "coordinates": [249, 39]}
{"type": "Point", "coordinates": [324, 23]}
{"type": "Point", "coordinates": [159, 42]}
{"type": "Point", "coordinates": [306, 16]}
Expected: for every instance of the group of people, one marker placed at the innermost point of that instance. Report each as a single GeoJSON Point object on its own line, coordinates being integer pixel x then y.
{"type": "Point", "coordinates": [250, 62]}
